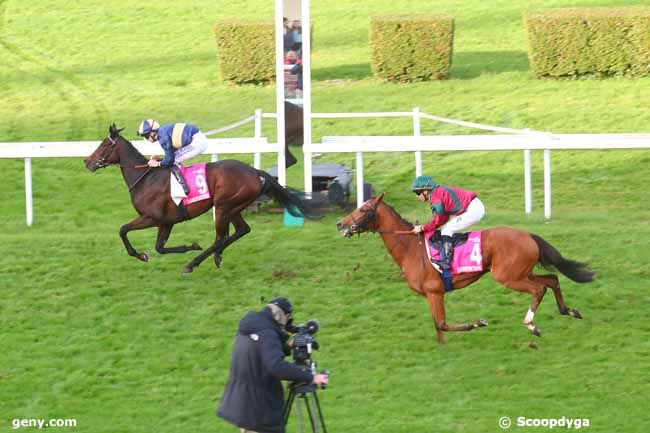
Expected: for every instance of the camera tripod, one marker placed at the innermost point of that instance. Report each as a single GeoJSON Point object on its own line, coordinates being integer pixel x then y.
{"type": "Point", "coordinates": [307, 393]}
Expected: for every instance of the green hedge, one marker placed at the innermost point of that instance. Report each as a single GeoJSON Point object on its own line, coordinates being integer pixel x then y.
{"type": "Point", "coordinates": [596, 41]}
{"type": "Point", "coordinates": [411, 47]}
{"type": "Point", "coordinates": [246, 51]}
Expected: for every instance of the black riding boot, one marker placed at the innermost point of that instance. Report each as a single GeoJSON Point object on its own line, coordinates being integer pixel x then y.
{"type": "Point", "coordinates": [179, 176]}
{"type": "Point", "coordinates": [445, 262]}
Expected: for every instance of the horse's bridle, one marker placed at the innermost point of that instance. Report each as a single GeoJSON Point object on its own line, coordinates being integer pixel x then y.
{"type": "Point", "coordinates": [363, 224]}
{"type": "Point", "coordinates": [101, 162]}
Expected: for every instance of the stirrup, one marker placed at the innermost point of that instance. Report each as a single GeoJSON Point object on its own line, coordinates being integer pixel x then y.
{"type": "Point", "coordinates": [180, 178]}
{"type": "Point", "coordinates": [446, 279]}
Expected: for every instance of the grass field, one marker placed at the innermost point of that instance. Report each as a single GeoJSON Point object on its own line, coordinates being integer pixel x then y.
{"type": "Point", "coordinates": [89, 333]}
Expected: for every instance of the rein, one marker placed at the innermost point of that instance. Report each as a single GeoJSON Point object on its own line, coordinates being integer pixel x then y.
{"type": "Point", "coordinates": [422, 252]}
{"type": "Point", "coordinates": [363, 224]}
{"type": "Point", "coordinates": [139, 179]}
{"type": "Point", "coordinates": [132, 166]}
{"type": "Point", "coordinates": [396, 232]}
{"type": "Point", "coordinates": [102, 162]}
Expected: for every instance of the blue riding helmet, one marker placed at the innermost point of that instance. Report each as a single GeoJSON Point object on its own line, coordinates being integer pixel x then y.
{"type": "Point", "coordinates": [423, 183]}
{"type": "Point", "coordinates": [147, 127]}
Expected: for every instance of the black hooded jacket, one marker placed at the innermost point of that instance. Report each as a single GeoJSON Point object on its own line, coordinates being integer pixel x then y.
{"type": "Point", "coordinates": [254, 397]}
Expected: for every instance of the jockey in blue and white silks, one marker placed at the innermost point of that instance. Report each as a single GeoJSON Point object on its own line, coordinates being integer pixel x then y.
{"type": "Point", "coordinates": [180, 141]}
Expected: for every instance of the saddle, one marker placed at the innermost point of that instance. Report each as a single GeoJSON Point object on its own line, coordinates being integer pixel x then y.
{"type": "Point", "coordinates": [467, 255]}
{"type": "Point", "coordinates": [195, 177]}
{"type": "Point", "coordinates": [456, 240]}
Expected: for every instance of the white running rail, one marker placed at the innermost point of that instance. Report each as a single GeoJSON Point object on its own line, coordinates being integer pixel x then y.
{"type": "Point", "coordinates": [507, 139]}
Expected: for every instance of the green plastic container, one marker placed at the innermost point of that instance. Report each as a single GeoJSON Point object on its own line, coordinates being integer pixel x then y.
{"type": "Point", "coordinates": [292, 221]}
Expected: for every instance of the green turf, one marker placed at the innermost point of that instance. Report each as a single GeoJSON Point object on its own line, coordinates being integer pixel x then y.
{"type": "Point", "coordinates": [89, 333]}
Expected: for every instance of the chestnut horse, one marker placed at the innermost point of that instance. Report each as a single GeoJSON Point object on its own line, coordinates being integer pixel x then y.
{"type": "Point", "coordinates": [233, 186]}
{"type": "Point", "coordinates": [509, 254]}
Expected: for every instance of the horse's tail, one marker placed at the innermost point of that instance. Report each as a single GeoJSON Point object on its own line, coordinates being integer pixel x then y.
{"type": "Point", "coordinates": [289, 198]}
{"type": "Point", "coordinates": [551, 258]}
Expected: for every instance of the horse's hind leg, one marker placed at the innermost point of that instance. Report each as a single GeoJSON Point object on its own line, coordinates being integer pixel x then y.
{"type": "Point", "coordinates": [537, 291]}
{"type": "Point", "coordinates": [137, 224]}
{"type": "Point", "coordinates": [437, 303]}
{"type": "Point", "coordinates": [221, 227]}
{"type": "Point", "coordinates": [164, 231]}
{"type": "Point", "coordinates": [553, 282]}
{"type": "Point", "coordinates": [241, 230]}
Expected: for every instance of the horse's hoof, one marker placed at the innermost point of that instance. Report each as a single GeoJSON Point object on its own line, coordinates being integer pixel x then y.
{"type": "Point", "coordinates": [144, 257]}
{"type": "Point", "coordinates": [217, 261]}
{"type": "Point", "coordinates": [187, 270]}
{"type": "Point", "coordinates": [575, 313]}
{"type": "Point", "coordinates": [534, 329]}
{"type": "Point", "coordinates": [481, 323]}
{"type": "Point", "coordinates": [196, 247]}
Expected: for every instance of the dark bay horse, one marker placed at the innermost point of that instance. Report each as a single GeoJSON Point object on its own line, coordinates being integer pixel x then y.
{"type": "Point", "coordinates": [509, 254]}
{"type": "Point", "coordinates": [233, 186]}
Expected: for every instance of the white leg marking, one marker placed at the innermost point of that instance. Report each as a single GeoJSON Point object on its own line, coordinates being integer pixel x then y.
{"type": "Point", "coordinates": [529, 317]}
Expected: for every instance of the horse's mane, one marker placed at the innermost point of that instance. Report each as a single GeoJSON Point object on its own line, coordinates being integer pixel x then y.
{"type": "Point", "coordinates": [131, 150]}
{"type": "Point", "coordinates": [408, 223]}
{"type": "Point", "coordinates": [114, 134]}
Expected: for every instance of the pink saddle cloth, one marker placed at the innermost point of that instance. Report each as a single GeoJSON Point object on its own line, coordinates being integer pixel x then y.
{"type": "Point", "coordinates": [196, 180]}
{"type": "Point", "coordinates": [468, 257]}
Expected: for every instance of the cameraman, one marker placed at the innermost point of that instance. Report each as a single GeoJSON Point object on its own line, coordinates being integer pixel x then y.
{"type": "Point", "coordinates": [253, 399]}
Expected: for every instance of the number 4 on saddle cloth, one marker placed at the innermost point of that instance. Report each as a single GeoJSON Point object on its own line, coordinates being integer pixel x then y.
{"type": "Point", "coordinates": [467, 256]}
{"type": "Point", "coordinates": [195, 178]}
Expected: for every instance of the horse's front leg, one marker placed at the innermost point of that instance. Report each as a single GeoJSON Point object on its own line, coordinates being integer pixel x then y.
{"type": "Point", "coordinates": [437, 303]}
{"type": "Point", "coordinates": [139, 223]}
{"type": "Point", "coordinates": [163, 235]}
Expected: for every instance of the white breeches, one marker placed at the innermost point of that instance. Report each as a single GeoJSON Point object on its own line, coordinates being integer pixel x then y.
{"type": "Point", "coordinates": [473, 214]}
{"type": "Point", "coordinates": [196, 147]}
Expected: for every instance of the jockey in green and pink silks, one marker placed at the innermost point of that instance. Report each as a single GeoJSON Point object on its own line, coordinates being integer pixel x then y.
{"type": "Point", "coordinates": [454, 209]}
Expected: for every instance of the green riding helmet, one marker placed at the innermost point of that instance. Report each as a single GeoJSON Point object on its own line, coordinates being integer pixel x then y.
{"type": "Point", "coordinates": [423, 183]}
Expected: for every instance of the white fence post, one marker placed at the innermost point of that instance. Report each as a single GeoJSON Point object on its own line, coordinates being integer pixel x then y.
{"type": "Point", "coordinates": [214, 158]}
{"type": "Point", "coordinates": [547, 183]}
{"type": "Point", "coordinates": [416, 133]}
{"type": "Point", "coordinates": [306, 94]}
{"type": "Point", "coordinates": [309, 187]}
{"type": "Point", "coordinates": [528, 200]}
{"type": "Point", "coordinates": [279, 90]}
{"type": "Point", "coordinates": [359, 179]}
{"type": "Point", "coordinates": [257, 158]}
{"type": "Point", "coordinates": [28, 191]}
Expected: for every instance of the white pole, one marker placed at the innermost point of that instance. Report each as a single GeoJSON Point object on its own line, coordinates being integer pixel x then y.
{"type": "Point", "coordinates": [257, 159]}
{"type": "Point", "coordinates": [29, 205]}
{"type": "Point", "coordinates": [279, 90]}
{"type": "Point", "coordinates": [306, 93]}
{"type": "Point", "coordinates": [359, 179]}
{"type": "Point", "coordinates": [416, 133]}
{"type": "Point", "coordinates": [528, 201]}
{"type": "Point", "coordinates": [547, 184]}
{"type": "Point", "coordinates": [214, 158]}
